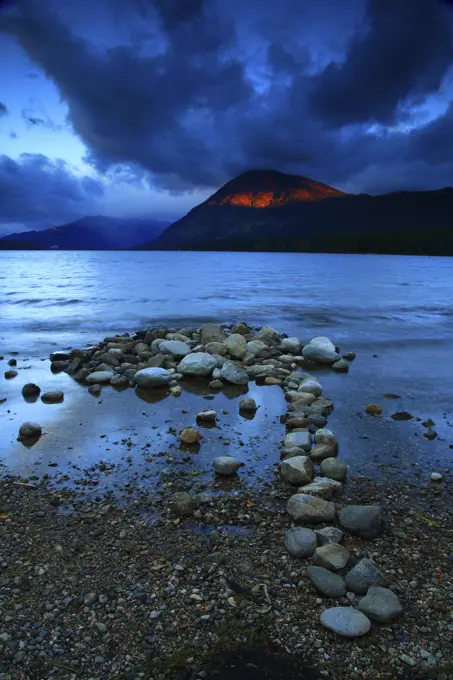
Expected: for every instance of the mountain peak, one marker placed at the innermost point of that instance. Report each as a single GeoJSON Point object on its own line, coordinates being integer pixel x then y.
{"type": "Point", "coordinates": [269, 189]}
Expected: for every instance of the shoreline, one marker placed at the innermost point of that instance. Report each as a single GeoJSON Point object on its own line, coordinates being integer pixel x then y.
{"type": "Point", "coordinates": [183, 601]}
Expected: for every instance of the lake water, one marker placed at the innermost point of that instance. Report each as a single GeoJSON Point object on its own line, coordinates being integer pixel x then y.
{"type": "Point", "coordinates": [395, 312]}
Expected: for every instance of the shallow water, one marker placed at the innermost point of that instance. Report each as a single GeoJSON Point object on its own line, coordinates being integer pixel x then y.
{"type": "Point", "coordinates": [398, 308]}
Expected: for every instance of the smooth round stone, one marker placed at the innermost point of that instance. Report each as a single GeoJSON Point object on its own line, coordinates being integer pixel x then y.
{"type": "Point", "coordinates": [345, 621]}
{"type": "Point", "coordinates": [226, 465]}
{"type": "Point", "coordinates": [175, 348]}
{"type": "Point", "coordinates": [326, 582]}
{"type": "Point", "coordinates": [152, 377]}
{"type": "Point", "coordinates": [436, 477]}
{"type": "Point", "coordinates": [311, 386]}
{"type": "Point", "coordinates": [31, 390]}
{"type": "Point", "coordinates": [99, 377]}
{"type": "Point", "coordinates": [297, 470]}
{"type": "Point", "coordinates": [325, 436]}
{"type": "Point", "coordinates": [332, 556]}
{"type": "Point", "coordinates": [236, 345]}
{"type": "Point", "coordinates": [248, 404]}
{"type": "Point", "coordinates": [292, 345]}
{"type": "Point", "coordinates": [197, 364]}
{"type": "Point", "coordinates": [54, 397]}
{"type": "Point", "coordinates": [320, 350]}
{"type": "Point", "coordinates": [380, 604]}
{"type": "Point", "coordinates": [189, 436]}
{"type": "Point", "coordinates": [329, 535]}
{"type": "Point", "coordinates": [233, 373]}
{"type": "Point", "coordinates": [362, 520]}
{"type": "Point", "coordinates": [30, 431]}
{"type": "Point", "coordinates": [333, 468]}
{"type": "Point", "coordinates": [309, 509]}
{"type": "Point", "coordinates": [300, 542]}
{"type": "Point", "coordinates": [207, 416]}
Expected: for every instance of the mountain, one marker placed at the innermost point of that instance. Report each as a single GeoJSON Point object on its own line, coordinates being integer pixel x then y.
{"type": "Point", "coordinates": [9, 244]}
{"type": "Point", "coordinates": [92, 233]}
{"type": "Point", "coordinates": [272, 211]}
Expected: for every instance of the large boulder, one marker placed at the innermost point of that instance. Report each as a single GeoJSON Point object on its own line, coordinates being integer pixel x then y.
{"type": "Point", "coordinates": [210, 332]}
{"type": "Point", "coordinates": [297, 470]}
{"type": "Point", "coordinates": [309, 509]}
{"type": "Point", "coordinates": [345, 621]}
{"type": "Point", "coordinates": [362, 520]}
{"type": "Point", "coordinates": [152, 377]}
{"type": "Point", "coordinates": [364, 575]}
{"type": "Point", "coordinates": [233, 373]}
{"type": "Point", "coordinates": [320, 350]}
{"type": "Point", "coordinates": [175, 348]}
{"type": "Point", "coordinates": [300, 542]}
{"type": "Point", "coordinates": [197, 364]}
{"type": "Point", "coordinates": [236, 345]}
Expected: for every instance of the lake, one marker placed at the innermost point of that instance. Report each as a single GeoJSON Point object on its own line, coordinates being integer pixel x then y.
{"type": "Point", "coordinates": [395, 312]}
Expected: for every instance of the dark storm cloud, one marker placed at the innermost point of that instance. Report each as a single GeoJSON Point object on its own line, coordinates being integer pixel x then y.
{"type": "Point", "coordinates": [3, 109]}
{"type": "Point", "coordinates": [35, 191]}
{"type": "Point", "coordinates": [213, 88]}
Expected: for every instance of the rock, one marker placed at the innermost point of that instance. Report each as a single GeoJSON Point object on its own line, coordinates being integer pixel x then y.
{"type": "Point", "coordinates": [380, 604]}
{"type": "Point", "coordinates": [304, 398]}
{"type": "Point", "coordinates": [55, 397]}
{"type": "Point", "coordinates": [329, 535]}
{"type": "Point", "coordinates": [236, 345]}
{"type": "Point", "coordinates": [321, 406]}
{"type": "Point", "coordinates": [320, 350]}
{"type": "Point", "coordinates": [210, 332]}
{"type": "Point", "coordinates": [59, 356]}
{"type": "Point", "coordinates": [317, 419]}
{"type": "Point", "coordinates": [255, 347]}
{"type": "Point", "coordinates": [152, 377]}
{"type": "Point", "coordinates": [241, 328]}
{"type": "Point", "coordinates": [207, 416]}
{"type": "Point", "coordinates": [30, 431]}
{"type": "Point", "coordinates": [302, 440]}
{"type": "Point", "coordinates": [234, 374]}
{"type": "Point", "coordinates": [95, 390]}
{"type": "Point", "coordinates": [331, 556]}
{"type": "Point", "coordinates": [322, 488]}
{"type": "Point", "coordinates": [197, 364]}
{"type": "Point", "coordinates": [216, 348]}
{"type": "Point", "coordinates": [300, 542]}
{"type": "Point", "coordinates": [436, 477]}
{"type": "Point", "coordinates": [31, 390]}
{"type": "Point", "coordinates": [327, 583]}
{"type": "Point", "coordinates": [176, 391]}
{"type": "Point", "coordinates": [325, 436]}
{"type": "Point", "coordinates": [157, 361]}
{"type": "Point", "coordinates": [58, 366]}
{"type": "Point", "coordinates": [309, 509]}
{"type": "Point", "coordinates": [183, 504]}
{"type": "Point", "coordinates": [334, 469]}
{"type": "Point", "coordinates": [119, 381]}
{"type": "Point", "coordinates": [226, 465]}
{"type": "Point", "coordinates": [374, 410]}
{"type": "Point", "coordinates": [291, 345]}
{"type": "Point", "coordinates": [270, 380]}
{"type": "Point", "coordinates": [341, 366]}
{"type": "Point", "coordinates": [297, 470]}
{"type": "Point", "coordinates": [189, 436]}
{"type": "Point", "coordinates": [311, 386]}
{"type": "Point", "coordinates": [10, 374]}
{"type": "Point", "coordinates": [349, 356]}
{"type": "Point", "coordinates": [215, 385]}
{"type": "Point", "coordinates": [175, 348]}
{"type": "Point", "coordinates": [268, 335]}
{"type": "Point", "coordinates": [99, 377]}
{"type": "Point", "coordinates": [430, 434]}
{"type": "Point", "coordinates": [322, 451]}
{"type": "Point", "coordinates": [362, 520]}
{"type": "Point", "coordinates": [402, 415]}
{"type": "Point", "coordinates": [106, 358]}
{"type": "Point", "coordinates": [248, 404]}
{"type": "Point", "coordinates": [364, 575]}
{"type": "Point", "coordinates": [345, 621]}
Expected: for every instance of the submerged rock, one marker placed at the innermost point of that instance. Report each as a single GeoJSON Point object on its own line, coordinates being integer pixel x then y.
{"type": "Point", "coordinates": [374, 410]}
{"type": "Point", "coordinates": [10, 374]}
{"type": "Point", "coordinates": [226, 465]}
{"type": "Point", "coordinates": [345, 621]}
{"type": "Point", "coordinates": [402, 415]}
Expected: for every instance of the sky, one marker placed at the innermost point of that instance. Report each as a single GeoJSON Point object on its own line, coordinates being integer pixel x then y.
{"type": "Point", "coordinates": [146, 107]}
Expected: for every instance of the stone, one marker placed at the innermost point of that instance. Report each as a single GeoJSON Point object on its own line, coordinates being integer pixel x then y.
{"type": "Point", "coordinates": [402, 415]}
{"type": "Point", "coordinates": [345, 621]}
{"type": "Point", "coordinates": [300, 542]}
{"type": "Point", "coordinates": [59, 356]}
{"type": "Point", "coordinates": [10, 374]}
{"type": "Point", "coordinates": [362, 520]}
{"type": "Point", "coordinates": [297, 470]}
{"type": "Point", "coordinates": [106, 358]}
{"type": "Point", "coordinates": [321, 406]}
{"type": "Point", "coordinates": [268, 335]}
{"type": "Point", "coordinates": [57, 366]}
{"type": "Point", "coordinates": [436, 477]}
{"type": "Point", "coordinates": [311, 386]}
{"type": "Point", "coordinates": [365, 574]}
{"type": "Point", "coordinates": [207, 416]}
{"type": "Point", "coordinates": [31, 390]}
{"type": "Point", "coordinates": [291, 345]}
{"type": "Point", "coordinates": [183, 504]}
{"type": "Point", "coordinates": [119, 381]}
{"type": "Point", "coordinates": [317, 420]}
{"type": "Point", "coordinates": [30, 431]}
{"type": "Point", "coordinates": [216, 348]}
{"type": "Point", "coordinates": [189, 436]}
{"type": "Point", "coordinates": [349, 356]}
{"type": "Point", "coordinates": [374, 410]}
{"type": "Point", "coordinates": [236, 345]}
{"type": "Point", "coordinates": [241, 328]}
{"type": "Point", "coordinates": [341, 366]}
{"type": "Point", "coordinates": [380, 604]}
{"type": "Point", "coordinates": [329, 535]}
{"type": "Point", "coordinates": [210, 332]}
{"type": "Point", "coordinates": [334, 469]}
{"type": "Point", "coordinates": [322, 451]}
{"type": "Point", "coordinates": [309, 509]}
{"type": "Point", "coordinates": [255, 347]}
{"type": "Point", "coordinates": [270, 380]}
{"type": "Point", "coordinates": [302, 440]}
{"type": "Point", "coordinates": [234, 374]}
{"type": "Point", "coordinates": [332, 556]}
{"type": "Point", "coordinates": [175, 348]}
{"type": "Point", "coordinates": [95, 390]}
{"type": "Point", "coordinates": [297, 422]}
{"type": "Point", "coordinates": [327, 583]}
{"type": "Point", "coordinates": [99, 377]}
{"type": "Point", "coordinates": [322, 487]}
{"type": "Point", "coordinates": [320, 350]}
{"type": "Point", "coordinates": [197, 364]}
{"type": "Point", "coordinates": [248, 404]}
{"type": "Point", "coordinates": [152, 377]}
{"type": "Point", "coordinates": [325, 436]}
{"type": "Point", "coordinates": [54, 397]}
{"type": "Point", "coordinates": [215, 385]}
{"type": "Point", "coordinates": [226, 465]}
{"type": "Point", "coordinates": [300, 398]}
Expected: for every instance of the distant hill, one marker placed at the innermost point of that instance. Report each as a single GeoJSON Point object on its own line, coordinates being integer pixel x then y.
{"type": "Point", "coordinates": [9, 244]}
{"type": "Point", "coordinates": [91, 233]}
{"type": "Point", "coordinates": [273, 211]}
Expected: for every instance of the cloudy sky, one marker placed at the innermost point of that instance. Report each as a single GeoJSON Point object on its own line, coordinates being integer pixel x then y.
{"type": "Point", "coordinates": [145, 107]}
